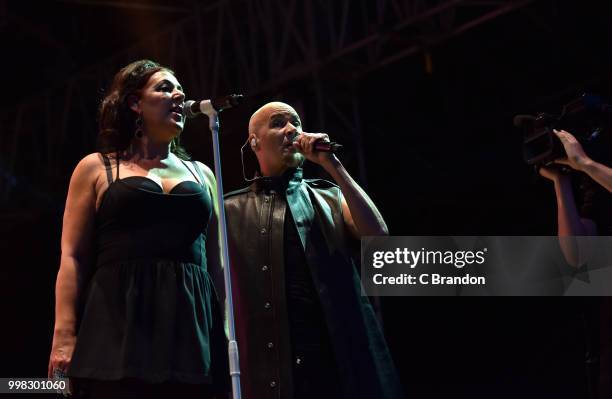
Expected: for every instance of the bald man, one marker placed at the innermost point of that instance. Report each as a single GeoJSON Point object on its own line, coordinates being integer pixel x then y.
{"type": "Point", "coordinates": [304, 330]}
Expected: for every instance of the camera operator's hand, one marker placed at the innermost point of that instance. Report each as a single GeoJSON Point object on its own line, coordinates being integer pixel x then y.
{"type": "Point", "coordinates": [576, 159]}
{"type": "Point", "coordinates": [552, 173]}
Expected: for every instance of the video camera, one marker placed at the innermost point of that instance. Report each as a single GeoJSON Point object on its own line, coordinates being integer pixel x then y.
{"type": "Point", "coordinates": [586, 117]}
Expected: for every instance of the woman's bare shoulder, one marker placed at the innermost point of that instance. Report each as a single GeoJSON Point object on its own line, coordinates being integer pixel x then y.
{"type": "Point", "coordinates": [206, 170]}
{"type": "Point", "coordinates": [209, 176]}
{"type": "Point", "coordinates": [89, 166]}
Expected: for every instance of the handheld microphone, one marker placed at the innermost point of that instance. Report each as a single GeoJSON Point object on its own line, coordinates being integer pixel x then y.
{"type": "Point", "coordinates": [327, 146]}
{"type": "Point", "coordinates": [320, 145]}
{"type": "Point", "coordinates": [195, 108]}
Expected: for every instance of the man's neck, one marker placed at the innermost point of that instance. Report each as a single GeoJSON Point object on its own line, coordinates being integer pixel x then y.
{"type": "Point", "coordinates": [274, 172]}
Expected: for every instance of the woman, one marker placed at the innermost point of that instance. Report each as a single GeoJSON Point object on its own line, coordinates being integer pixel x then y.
{"type": "Point", "coordinates": [150, 322]}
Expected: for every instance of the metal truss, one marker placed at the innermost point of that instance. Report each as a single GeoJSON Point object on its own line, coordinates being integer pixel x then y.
{"type": "Point", "coordinates": [258, 47]}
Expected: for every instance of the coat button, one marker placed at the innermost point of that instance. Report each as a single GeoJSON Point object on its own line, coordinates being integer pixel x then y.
{"type": "Point", "coordinates": [272, 384]}
{"type": "Point", "coordinates": [266, 199]}
{"type": "Point", "coordinates": [270, 345]}
{"type": "Point", "coordinates": [263, 230]}
{"type": "Point", "coordinates": [267, 305]}
{"type": "Point", "coordinates": [264, 268]}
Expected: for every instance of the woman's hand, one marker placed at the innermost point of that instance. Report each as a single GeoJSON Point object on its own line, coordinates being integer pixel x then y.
{"type": "Point", "coordinates": [61, 351]}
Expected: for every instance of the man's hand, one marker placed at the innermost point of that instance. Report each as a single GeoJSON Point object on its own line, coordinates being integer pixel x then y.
{"type": "Point", "coordinates": [576, 159]}
{"type": "Point", "coordinates": [304, 143]}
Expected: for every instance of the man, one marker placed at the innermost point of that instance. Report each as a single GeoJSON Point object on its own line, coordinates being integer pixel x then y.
{"type": "Point", "coordinates": [304, 330]}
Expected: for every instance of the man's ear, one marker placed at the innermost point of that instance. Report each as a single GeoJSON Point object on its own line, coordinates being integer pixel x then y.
{"type": "Point", "coordinates": [134, 103]}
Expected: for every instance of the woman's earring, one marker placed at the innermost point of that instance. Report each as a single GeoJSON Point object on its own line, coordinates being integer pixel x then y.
{"type": "Point", "coordinates": [138, 133]}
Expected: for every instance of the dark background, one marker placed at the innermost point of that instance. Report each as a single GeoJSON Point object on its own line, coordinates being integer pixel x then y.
{"type": "Point", "coordinates": [441, 158]}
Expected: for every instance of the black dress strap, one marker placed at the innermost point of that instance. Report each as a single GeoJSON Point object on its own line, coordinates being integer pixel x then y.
{"type": "Point", "coordinates": [117, 157]}
{"type": "Point", "coordinates": [107, 165]}
{"type": "Point", "coordinates": [195, 165]}
{"type": "Point", "coordinates": [201, 179]}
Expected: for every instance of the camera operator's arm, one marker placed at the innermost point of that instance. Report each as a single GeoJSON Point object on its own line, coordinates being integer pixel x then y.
{"type": "Point", "coordinates": [569, 222]}
{"type": "Point", "coordinates": [577, 159]}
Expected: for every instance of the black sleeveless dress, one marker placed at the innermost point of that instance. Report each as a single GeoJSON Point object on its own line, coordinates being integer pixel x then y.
{"type": "Point", "coordinates": [151, 311]}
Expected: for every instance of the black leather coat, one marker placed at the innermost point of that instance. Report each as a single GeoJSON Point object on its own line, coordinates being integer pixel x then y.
{"type": "Point", "coordinates": [255, 221]}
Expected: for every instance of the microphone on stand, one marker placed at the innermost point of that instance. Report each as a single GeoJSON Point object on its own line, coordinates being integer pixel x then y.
{"type": "Point", "coordinates": [212, 108]}
{"type": "Point", "coordinates": [196, 108]}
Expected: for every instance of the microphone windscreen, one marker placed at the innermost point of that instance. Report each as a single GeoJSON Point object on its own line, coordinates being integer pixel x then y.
{"type": "Point", "coordinates": [188, 109]}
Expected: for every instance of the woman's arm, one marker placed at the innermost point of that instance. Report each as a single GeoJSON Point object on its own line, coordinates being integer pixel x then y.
{"type": "Point", "coordinates": [214, 260]}
{"type": "Point", "coordinates": [213, 241]}
{"type": "Point", "coordinates": [77, 234]}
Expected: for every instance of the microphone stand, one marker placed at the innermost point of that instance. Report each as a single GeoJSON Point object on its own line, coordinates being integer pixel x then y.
{"type": "Point", "coordinates": [234, 363]}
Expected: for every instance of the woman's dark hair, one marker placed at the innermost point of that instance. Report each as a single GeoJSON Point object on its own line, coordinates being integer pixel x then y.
{"type": "Point", "coordinates": [117, 121]}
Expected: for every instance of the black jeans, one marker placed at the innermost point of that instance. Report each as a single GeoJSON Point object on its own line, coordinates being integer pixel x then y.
{"type": "Point", "coordinates": [315, 375]}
